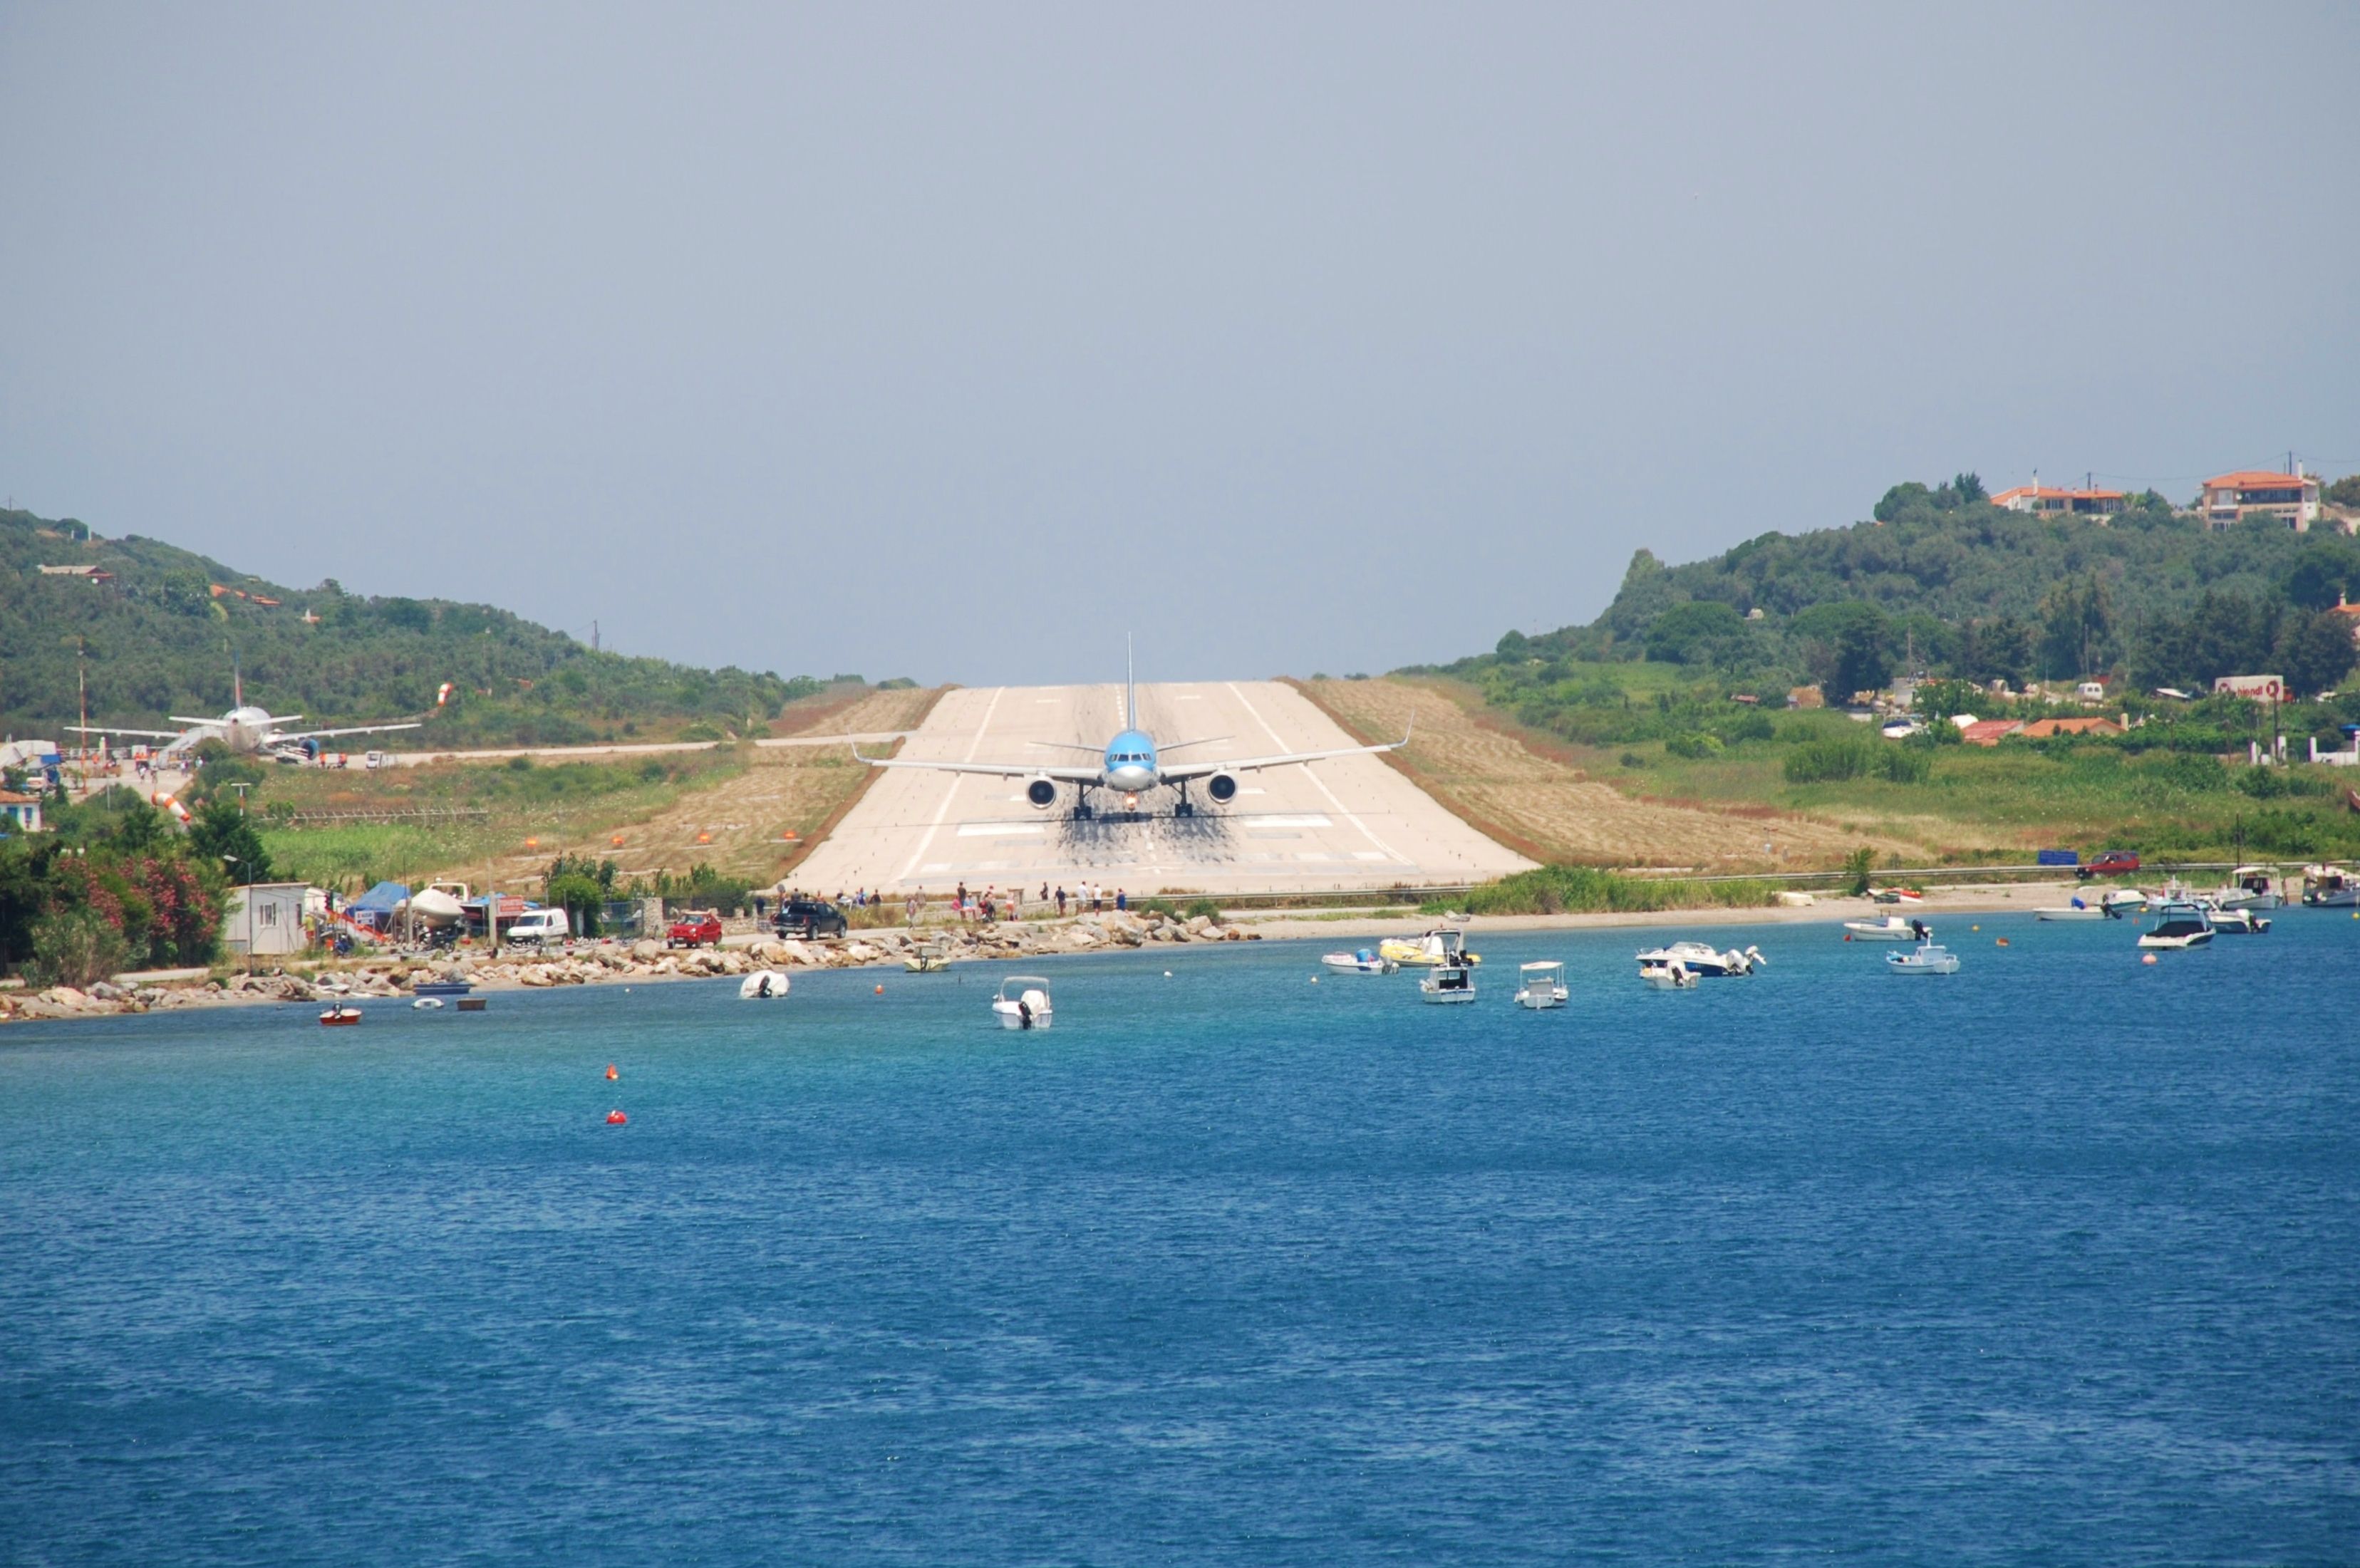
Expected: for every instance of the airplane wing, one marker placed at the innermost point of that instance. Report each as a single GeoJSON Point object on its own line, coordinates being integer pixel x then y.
{"type": "Point", "coordinates": [279, 736]}
{"type": "Point", "coordinates": [1188, 770]}
{"type": "Point", "coordinates": [1069, 745]}
{"type": "Point", "coordinates": [990, 770]}
{"type": "Point", "coordinates": [1183, 745]}
{"type": "Point", "coordinates": [116, 729]}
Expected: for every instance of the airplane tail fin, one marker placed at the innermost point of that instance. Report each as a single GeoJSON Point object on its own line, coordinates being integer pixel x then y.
{"type": "Point", "coordinates": [236, 683]}
{"type": "Point", "coordinates": [1129, 688]}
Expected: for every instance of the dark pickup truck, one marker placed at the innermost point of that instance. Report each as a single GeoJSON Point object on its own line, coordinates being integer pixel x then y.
{"type": "Point", "coordinates": [808, 916]}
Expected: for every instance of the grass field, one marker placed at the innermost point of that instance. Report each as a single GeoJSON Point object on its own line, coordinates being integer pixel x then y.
{"type": "Point", "coordinates": [730, 807]}
{"type": "Point", "coordinates": [1641, 803]}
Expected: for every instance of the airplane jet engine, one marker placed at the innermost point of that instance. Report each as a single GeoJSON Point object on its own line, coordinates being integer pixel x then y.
{"type": "Point", "coordinates": [1041, 792]}
{"type": "Point", "coordinates": [1222, 788]}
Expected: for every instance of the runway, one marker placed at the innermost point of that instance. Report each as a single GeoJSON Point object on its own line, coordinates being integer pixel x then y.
{"type": "Point", "coordinates": [1344, 823]}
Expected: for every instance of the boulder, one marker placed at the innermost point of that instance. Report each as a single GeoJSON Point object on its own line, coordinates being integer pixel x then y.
{"type": "Point", "coordinates": [646, 950]}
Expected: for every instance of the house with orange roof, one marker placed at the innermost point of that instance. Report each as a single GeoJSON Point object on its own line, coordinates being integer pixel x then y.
{"type": "Point", "coordinates": [2047, 500]}
{"type": "Point", "coordinates": [2291, 498]}
{"type": "Point", "coordinates": [1987, 732]}
{"type": "Point", "coordinates": [2041, 729]}
{"type": "Point", "coordinates": [2351, 614]}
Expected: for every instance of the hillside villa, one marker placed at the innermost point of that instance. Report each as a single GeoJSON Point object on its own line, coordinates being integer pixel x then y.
{"type": "Point", "coordinates": [2291, 498]}
{"type": "Point", "coordinates": [2046, 500]}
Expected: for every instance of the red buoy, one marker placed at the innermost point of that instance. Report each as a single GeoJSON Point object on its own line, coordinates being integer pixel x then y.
{"type": "Point", "coordinates": [616, 1119]}
{"type": "Point", "coordinates": [611, 1073]}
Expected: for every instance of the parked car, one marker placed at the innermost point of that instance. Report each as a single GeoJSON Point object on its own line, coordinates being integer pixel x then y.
{"type": "Point", "coordinates": [2112, 863]}
{"type": "Point", "coordinates": [535, 927]}
{"type": "Point", "coordinates": [698, 928]}
{"type": "Point", "coordinates": [809, 916]}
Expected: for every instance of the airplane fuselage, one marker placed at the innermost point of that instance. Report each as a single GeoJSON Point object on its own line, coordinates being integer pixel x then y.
{"type": "Point", "coordinates": [1131, 762]}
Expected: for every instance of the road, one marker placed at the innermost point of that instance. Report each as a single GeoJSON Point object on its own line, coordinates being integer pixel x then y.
{"type": "Point", "coordinates": [1348, 822]}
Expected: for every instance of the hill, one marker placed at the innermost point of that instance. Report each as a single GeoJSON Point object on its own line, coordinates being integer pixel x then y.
{"type": "Point", "coordinates": [1944, 583]}
{"type": "Point", "coordinates": [159, 627]}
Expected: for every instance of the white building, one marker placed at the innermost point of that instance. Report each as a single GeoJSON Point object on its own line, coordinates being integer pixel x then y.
{"type": "Point", "coordinates": [265, 921]}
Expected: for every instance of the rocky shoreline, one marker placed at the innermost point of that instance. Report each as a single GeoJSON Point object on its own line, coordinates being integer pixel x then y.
{"type": "Point", "coordinates": [603, 963]}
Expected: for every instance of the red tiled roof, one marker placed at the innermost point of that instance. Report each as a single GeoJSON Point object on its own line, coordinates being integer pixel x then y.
{"type": "Point", "coordinates": [2051, 493]}
{"type": "Point", "coordinates": [2258, 479]}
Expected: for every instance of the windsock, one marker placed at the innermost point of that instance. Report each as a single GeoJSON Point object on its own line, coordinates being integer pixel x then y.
{"type": "Point", "coordinates": [443, 693]}
{"type": "Point", "coordinates": [174, 806]}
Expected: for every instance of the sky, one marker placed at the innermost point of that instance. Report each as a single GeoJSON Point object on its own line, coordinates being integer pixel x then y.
{"type": "Point", "coordinates": [958, 342]}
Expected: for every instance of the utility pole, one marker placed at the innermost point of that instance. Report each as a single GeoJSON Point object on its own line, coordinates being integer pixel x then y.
{"type": "Point", "coordinates": [594, 633]}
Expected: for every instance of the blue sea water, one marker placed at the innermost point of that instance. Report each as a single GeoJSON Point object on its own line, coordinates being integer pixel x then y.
{"type": "Point", "coordinates": [2055, 1261]}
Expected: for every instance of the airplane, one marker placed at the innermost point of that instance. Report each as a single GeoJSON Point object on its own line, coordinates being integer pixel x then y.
{"type": "Point", "coordinates": [1130, 765]}
{"type": "Point", "coordinates": [251, 729]}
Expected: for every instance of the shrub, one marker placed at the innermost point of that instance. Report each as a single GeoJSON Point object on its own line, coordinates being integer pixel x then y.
{"type": "Point", "coordinates": [1857, 865]}
{"type": "Point", "coordinates": [76, 946]}
{"type": "Point", "coordinates": [1749, 726]}
{"type": "Point", "coordinates": [1205, 907]}
{"type": "Point", "coordinates": [1556, 889]}
{"type": "Point", "coordinates": [1633, 759]}
{"type": "Point", "coordinates": [1905, 765]}
{"type": "Point", "coordinates": [1695, 744]}
{"type": "Point", "coordinates": [1829, 760]}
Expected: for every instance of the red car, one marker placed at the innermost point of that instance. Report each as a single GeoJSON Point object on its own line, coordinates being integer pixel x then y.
{"type": "Point", "coordinates": [698, 928]}
{"type": "Point", "coordinates": [2112, 863]}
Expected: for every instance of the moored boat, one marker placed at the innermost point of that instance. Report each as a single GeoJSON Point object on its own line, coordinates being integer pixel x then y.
{"type": "Point", "coordinates": [1669, 975]}
{"type": "Point", "coordinates": [2238, 922]}
{"type": "Point", "coordinates": [1022, 1003]}
{"type": "Point", "coordinates": [1888, 928]}
{"type": "Point", "coordinates": [2330, 887]}
{"type": "Point", "coordinates": [1926, 958]}
{"type": "Point", "coordinates": [1703, 961]}
{"type": "Point", "coordinates": [2076, 911]}
{"type": "Point", "coordinates": [335, 1016]}
{"type": "Point", "coordinates": [2178, 925]}
{"type": "Point", "coordinates": [1366, 960]}
{"type": "Point", "coordinates": [1543, 987]}
{"type": "Point", "coordinates": [1442, 945]}
{"type": "Point", "coordinates": [763, 982]}
{"type": "Point", "coordinates": [1448, 982]}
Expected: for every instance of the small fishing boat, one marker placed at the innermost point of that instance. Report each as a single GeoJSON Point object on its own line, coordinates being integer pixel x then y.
{"type": "Point", "coordinates": [763, 982]}
{"type": "Point", "coordinates": [1442, 945]}
{"type": "Point", "coordinates": [2238, 922]}
{"type": "Point", "coordinates": [1897, 895]}
{"type": "Point", "coordinates": [1448, 983]}
{"type": "Point", "coordinates": [1672, 976]}
{"type": "Point", "coordinates": [2076, 911]}
{"type": "Point", "coordinates": [471, 1003]}
{"type": "Point", "coordinates": [1888, 928]}
{"type": "Point", "coordinates": [1367, 961]}
{"type": "Point", "coordinates": [1543, 985]}
{"type": "Point", "coordinates": [2330, 887]}
{"type": "Point", "coordinates": [427, 1003]}
{"type": "Point", "coordinates": [2179, 926]}
{"type": "Point", "coordinates": [2248, 888]}
{"type": "Point", "coordinates": [1926, 958]}
{"type": "Point", "coordinates": [1703, 961]}
{"type": "Point", "coordinates": [2123, 901]}
{"type": "Point", "coordinates": [932, 958]}
{"type": "Point", "coordinates": [1022, 1002]}
{"type": "Point", "coordinates": [335, 1016]}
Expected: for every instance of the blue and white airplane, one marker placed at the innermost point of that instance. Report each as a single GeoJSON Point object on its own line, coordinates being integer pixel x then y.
{"type": "Point", "coordinates": [1130, 765]}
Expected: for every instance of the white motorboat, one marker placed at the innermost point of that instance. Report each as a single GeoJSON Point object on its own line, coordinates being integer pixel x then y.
{"type": "Point", "coordinates": [1672, 976]}
{"type": "Point", "coordinates": [1926, 958]}
{"type": "Point", "coordinates": [2330, 887]}
{"type": "Point", "coordinates": [760, 984]}
{"type": "Point", "coordinates": [427, 1003]}
{"type": "Point", "coordinates": [1543, 985]}
{"type": "Point", "coordinates": [2248, 888]}
{"type": "Point", "coordinates": [1448, 983]}
{"type": "Point", "coordinates": [1022, 1002]}
{"type": "Point", "coordinates": [1442, 945]}
{"type": "Point", "coordinates": [2238, 922]}
{"type": "Point", "coordinates": [1366, 960]}
{"type": "Point", "coordinates": [1703, 961]}
{"type": "Point", "coordinates": [2076, 911]}
{"type": "Point", "coordinates": [2123, 901]}
{"type": "Point", "coordinates": [2178, 925]}
{"type": "Point", "coordinates": [1888, 928]}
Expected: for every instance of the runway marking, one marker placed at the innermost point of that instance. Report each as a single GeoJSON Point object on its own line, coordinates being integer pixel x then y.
{"type": "Point", "coordinates": [943, 810]}
{"type": "Point", "coordinates": [1307, 773]}
{"type": "Point", "coordinates": [998, 830]}
{"type": "Point", "coordinates": [1312, 820]}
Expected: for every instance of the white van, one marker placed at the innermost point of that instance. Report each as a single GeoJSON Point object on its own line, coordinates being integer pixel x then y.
{"type": "Point", "coordinates": [535, 927]}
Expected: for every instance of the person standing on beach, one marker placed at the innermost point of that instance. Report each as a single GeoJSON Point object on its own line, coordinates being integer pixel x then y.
{"type": "Point", "coordinates": [1061, 902]}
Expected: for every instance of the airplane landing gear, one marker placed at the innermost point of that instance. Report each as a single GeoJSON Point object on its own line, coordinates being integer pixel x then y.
{"type": "Point", "coordinates": [1186, 808]}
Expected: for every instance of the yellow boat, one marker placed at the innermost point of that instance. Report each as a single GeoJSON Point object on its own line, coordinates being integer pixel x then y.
{"type": "Point", "coordinates": [1441, 946]}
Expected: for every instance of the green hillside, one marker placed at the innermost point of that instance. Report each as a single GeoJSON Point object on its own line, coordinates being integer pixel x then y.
{"type": "Point", "coordinates": [158, 634]}
{"type": "Point", "coordinates": [1943, 582]}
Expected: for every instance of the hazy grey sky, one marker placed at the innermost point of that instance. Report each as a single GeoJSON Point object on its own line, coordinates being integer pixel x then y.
{"type": "Point", "coordinates": [956, 340]}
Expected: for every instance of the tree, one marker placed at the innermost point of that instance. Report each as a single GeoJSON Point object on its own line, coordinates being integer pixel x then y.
{"type": "Point", "coordinates": [1846, 647]}
{"type": "Point", "coordinates": [1997, 649]}
{"type": "Point", "coordinates": [2345, 491]}
{"type": "Point", "coordinates": [1970, 487]}
{"type": "Point", "coordinates": [76, 946]}
{"type": "Point", "coordinates": [224, 835]}
{"type": "Point", "coordinates": [2315, 651]}
{"type": "Point", "coordinates": [2077, 629]}
{"type": "Point", "coordinates": [1700, 631]}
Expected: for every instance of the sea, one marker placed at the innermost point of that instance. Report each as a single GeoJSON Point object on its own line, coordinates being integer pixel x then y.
{"type": "Point", "coordinates": [2054, 1260]}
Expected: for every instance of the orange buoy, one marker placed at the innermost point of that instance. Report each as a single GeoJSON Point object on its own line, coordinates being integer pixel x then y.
{"type": "Point", "coordinates": [2002, 941]}
{"type": "Point", "coordinates": [616, 1119]}
{"type": "Point", "coordinates": [2148, 958]}
{"type": "Point", "coordinates": [881, 990]}
{"type": "Point", "coordinates": [611, 1073]}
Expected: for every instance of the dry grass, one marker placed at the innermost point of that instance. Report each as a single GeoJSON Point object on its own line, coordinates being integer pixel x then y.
{"type": "Point", "coordinates": [1528, 794]}
{"type": "Point", "coordinates": [858, 711]}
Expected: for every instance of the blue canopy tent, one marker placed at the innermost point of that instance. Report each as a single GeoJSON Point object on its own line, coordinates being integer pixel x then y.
{"type": "Point", "coordinates": [377, 905]}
